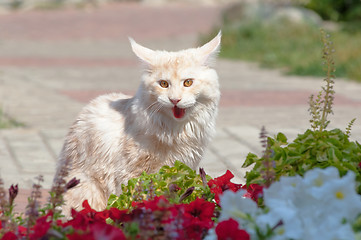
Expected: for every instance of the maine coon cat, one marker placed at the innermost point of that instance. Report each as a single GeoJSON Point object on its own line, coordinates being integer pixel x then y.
{"type": "Point", "coordinates": [171, 117]}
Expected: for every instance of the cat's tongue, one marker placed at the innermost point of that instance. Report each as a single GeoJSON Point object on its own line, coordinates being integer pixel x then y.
{"type": "Point", "coordinates": [178, 112]}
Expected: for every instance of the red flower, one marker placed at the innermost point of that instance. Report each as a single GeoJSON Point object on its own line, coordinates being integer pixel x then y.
{"type": "Point", "coordinates": [359, 165]}
{"type": "Point", "coordinates": [158, 203]}
{"type": "Point", "coordinates": [80, 236]}
{"type": "Point", "coordinates": [92, 214]}
{"type": "Point", "coordinates": [106, 232]}
{"type": "Point", "coordinates": [79, 221]}
{"type": "Point", "coordinates": [223, 183]}
{"type": "Point", "coordinates": [42, 226]}
{"type": "Point", "coordinates": [228, 230]}
{"type": "Point", "coordinates": [194, 230]}
{"type": "Point", "coordinates": [197, 219]}
{"type": "Point", "coordinates": [200, 210]}
{"type": "Point", "coordinates": [254, 191]}
{"type": "Point", "coordinates": [22, 230]}
{"type": "Point", "coordinates": [9, 236]}
{"type": "Point", "coordinates": [82, 219]}
{"type": "Point", "coordinates": [119, 215]}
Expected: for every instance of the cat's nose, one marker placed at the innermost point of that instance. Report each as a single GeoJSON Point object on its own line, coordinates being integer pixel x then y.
{"type": "Point", "coordinates": [174, 101]}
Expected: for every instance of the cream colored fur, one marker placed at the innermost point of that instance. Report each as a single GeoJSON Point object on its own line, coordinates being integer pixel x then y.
{"type": "Point", "coordinates": [117, 137]}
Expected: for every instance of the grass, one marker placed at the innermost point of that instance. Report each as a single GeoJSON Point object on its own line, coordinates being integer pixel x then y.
{"type": "Point", "coordinates": [8, 122]}
{"type": "Point", "coordinates": [295, 48]}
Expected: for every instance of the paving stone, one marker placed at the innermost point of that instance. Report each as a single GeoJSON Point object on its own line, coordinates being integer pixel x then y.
{"type": "Point", "coordinates": [29, 151]}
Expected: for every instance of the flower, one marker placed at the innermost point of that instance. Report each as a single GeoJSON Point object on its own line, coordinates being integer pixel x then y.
{"type": "Point", "coordinates": [9, 236]}
{"type": "Point", "coordinates": [254, 191]}
{"type": "Point", "coordinates": [200, 210]}
{"type": "Point", "coordinates": [336, 195]}
{"type": "Point", "coordinates": [229, 230]}
{"type": "Point", "coordinates": [197, 218]}
{"type": "Point", "coordinates": [119, 215]}
{"type": "Point", "coordinates": [235, 206]}
{"type": "Point", "coordinates": [223, 183]}
{"type": "Point", "coordinates": [41, 227]}
{"type": "Point", "coordinates": [194, 230]}
{"type": "Point", "coordinates": [319, 206]}
{"type": "Point", "coordinates": [105, 231]}
{"type": "Point", "coordinates": [13, 192]}
{"type": "Point", "coordinates": [82, 220]}
{"type": "Point", "coordinates": [154, 204]}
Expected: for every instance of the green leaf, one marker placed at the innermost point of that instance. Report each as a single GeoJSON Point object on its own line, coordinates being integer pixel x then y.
{"type": "Point", "coordinates": [281, 138]}
{"type": "Point", "coordinates": [251, 158]}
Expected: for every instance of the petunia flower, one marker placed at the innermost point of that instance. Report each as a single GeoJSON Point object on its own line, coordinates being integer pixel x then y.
{"type": "Point", "coordinates": [119, 216]}
{"type": "Point", "coordinates": [223, 183]}
{"type": "Point", "coordinates": [235, 205]}
{"type": "Point", "coordinates": [254, 191]}
{"type": "Point", "coordinates": [200, 210]}
{"type": "Point", "coordinates": [319, 206]}
{"type": "Point", "coordinates": [229, 230]}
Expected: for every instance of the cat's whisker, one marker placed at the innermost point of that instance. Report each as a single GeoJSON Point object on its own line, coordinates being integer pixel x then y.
{"type": "Point", "coordinates": [155, 110]}
{"type": "Point", "coordinates": [150, 106]}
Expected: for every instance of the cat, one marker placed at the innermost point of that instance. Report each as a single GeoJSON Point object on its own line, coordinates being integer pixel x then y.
{"type": "Point", "coordinates": [171, 117]}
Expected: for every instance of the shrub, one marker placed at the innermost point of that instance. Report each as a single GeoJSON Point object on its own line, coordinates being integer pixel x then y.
{"type": "Point", "coordinates": [336, 10]}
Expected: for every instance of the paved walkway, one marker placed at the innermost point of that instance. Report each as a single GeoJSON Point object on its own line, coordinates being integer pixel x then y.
{"type": "Point", "coordinates": [52, 63]}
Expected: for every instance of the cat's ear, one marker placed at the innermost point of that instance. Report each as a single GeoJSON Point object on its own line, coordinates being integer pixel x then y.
{"type": "Point", "coordinates": [209, 51]}
{"type": "Point", "coordinates": [143, 53]}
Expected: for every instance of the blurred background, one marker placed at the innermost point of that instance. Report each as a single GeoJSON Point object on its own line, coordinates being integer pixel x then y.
{"type": "Point", "coordinates": [57, 55]}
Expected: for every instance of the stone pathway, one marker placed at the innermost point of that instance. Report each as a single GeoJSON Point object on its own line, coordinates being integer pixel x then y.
{"type": "Point", "coordinates": [52, 63]}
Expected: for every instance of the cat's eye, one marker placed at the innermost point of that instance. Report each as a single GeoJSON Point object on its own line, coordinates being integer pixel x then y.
{"type": "Point", "coordinates": [163, 83]}
{"type": "Point", "coordinates": [188, 82]}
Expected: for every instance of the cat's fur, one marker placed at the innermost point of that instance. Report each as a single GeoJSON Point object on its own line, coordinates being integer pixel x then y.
{"type": "Point", "coordinates": [117, 137]}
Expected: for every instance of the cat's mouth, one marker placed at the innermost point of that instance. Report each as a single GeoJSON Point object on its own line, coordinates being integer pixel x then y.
{"type": "Point", "coordinates": [178, 112]}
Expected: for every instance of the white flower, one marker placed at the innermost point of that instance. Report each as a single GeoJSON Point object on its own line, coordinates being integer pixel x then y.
{"type": "Point", "coordinates": [337, 196]}
{"type": "Point", "coordinates": [315, 179]}
{"type": "Point", "coordinates": [235, 206]}
{"type": "Point", "coordinates": [327, 229]}
{"type": "Point", "coordinates": [313, 207]}
{"type": "Point", "coordinates": [322, 205]}
{"type": "Point", "coordinates": [243, 210]}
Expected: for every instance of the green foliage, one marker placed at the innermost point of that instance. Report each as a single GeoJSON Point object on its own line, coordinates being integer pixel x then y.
{"type": "Point", "coordinates": [336, 10]}
{"type": "Point", "coordinates": [173, 182]}
{"type": "Point", "coordinates": [309, 150]}
{"type": "Point", "coordinates": [292, 47]}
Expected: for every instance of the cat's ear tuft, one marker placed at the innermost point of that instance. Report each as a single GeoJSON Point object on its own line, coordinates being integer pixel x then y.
{"type": "Point", "coordinates": [209, 51]}
{"type": "Point", "coordinates": [143, 53]}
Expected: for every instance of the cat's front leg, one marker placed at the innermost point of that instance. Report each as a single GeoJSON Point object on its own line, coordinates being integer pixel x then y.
{"type": "Point", "coordinates": [89, 189]}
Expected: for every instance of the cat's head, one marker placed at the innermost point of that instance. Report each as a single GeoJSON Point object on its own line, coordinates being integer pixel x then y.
{"type": "Point", "coordinates": [178, 84]}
